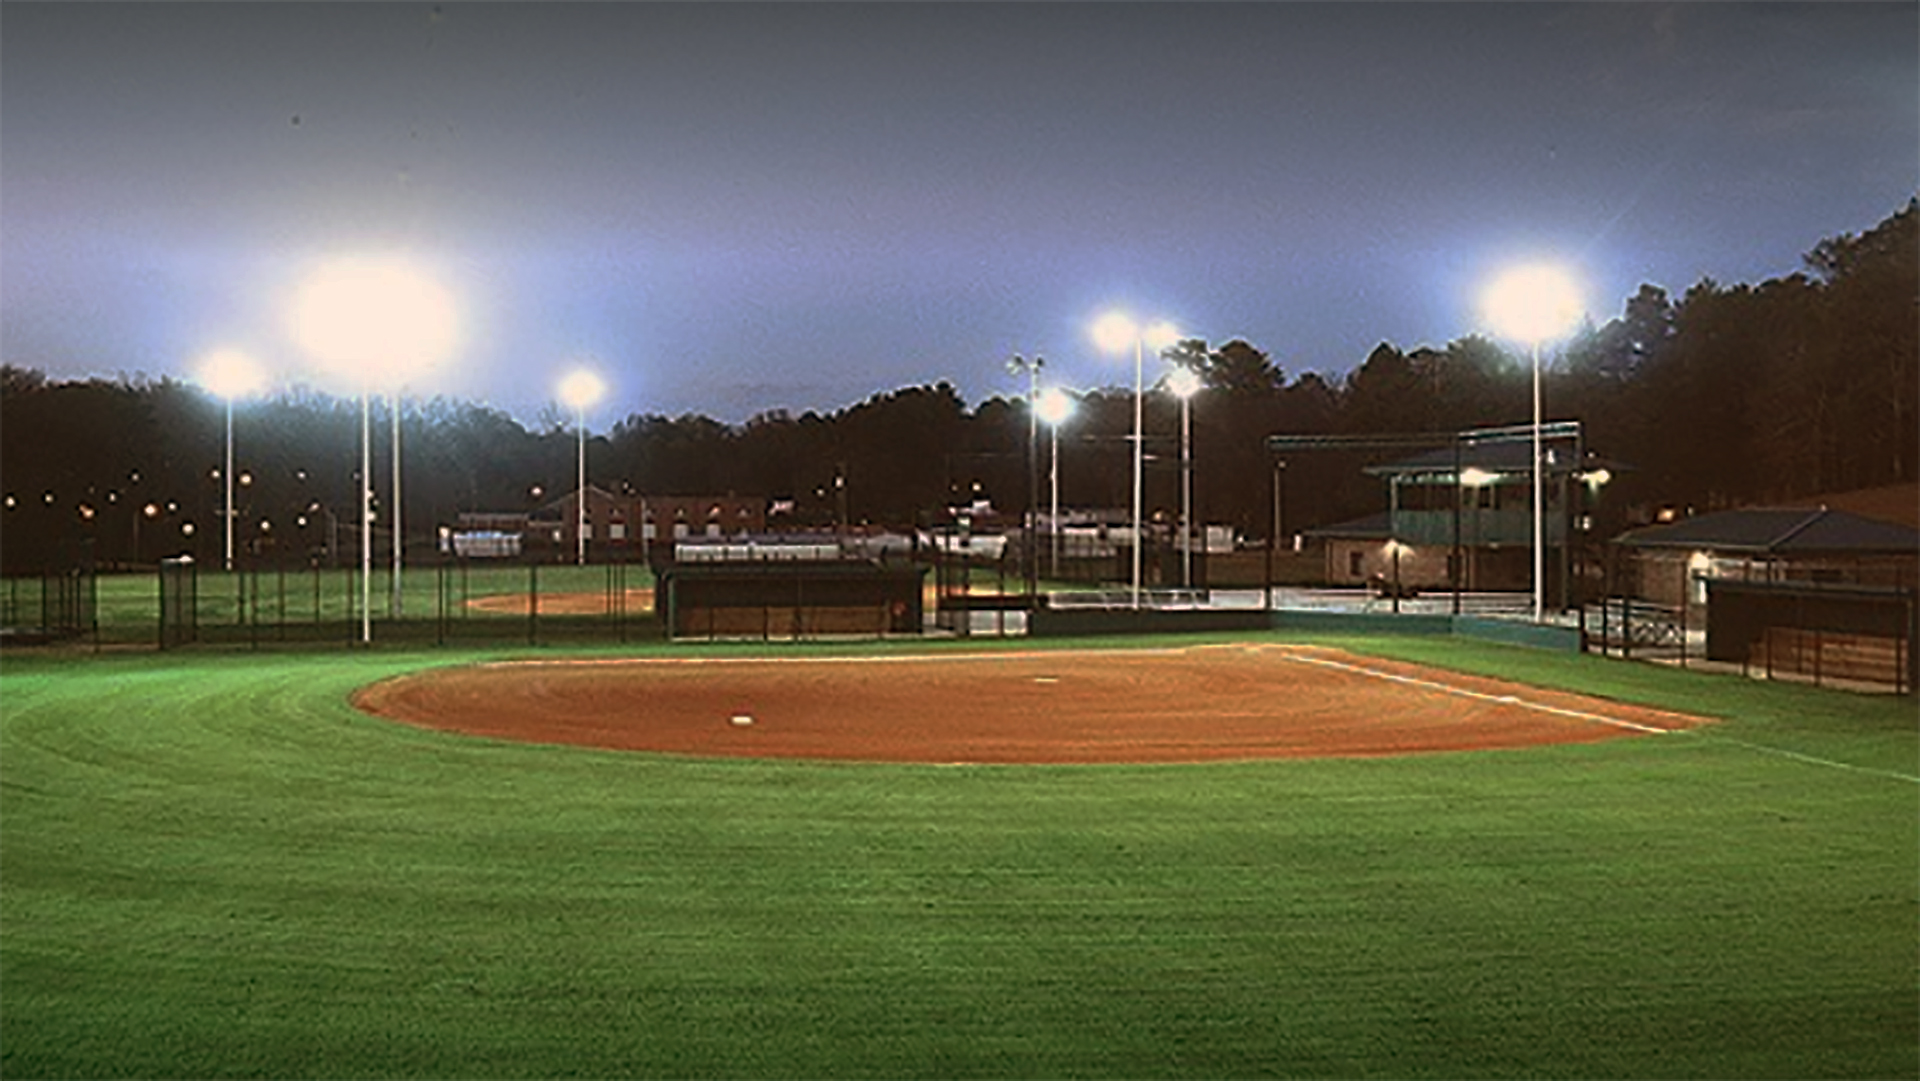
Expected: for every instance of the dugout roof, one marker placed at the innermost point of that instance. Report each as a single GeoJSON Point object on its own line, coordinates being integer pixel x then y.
{"type": "Point", "coordinates": [1779, 532]}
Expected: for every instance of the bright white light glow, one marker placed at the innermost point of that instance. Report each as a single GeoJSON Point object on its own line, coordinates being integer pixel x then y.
{"type": "Point", "coordinates": [1532, 303]}
{"type": "Point", "coordinates": [377, 320]}
{"type": "Point", "coordinates": [1474, 477]}
{"type": "Point", "coordinates": [1114, 332]}
{"type": "Point", "coordinates": [1161, 335]}
{"type": "Point", "coordinates": [1055, 406]}
{"type": "Point", "coordinates": [231, 374]}
{"type": "Point", "coordinates": [581, 388]}
{"type": "Point", "coordinates": [1183, 382]}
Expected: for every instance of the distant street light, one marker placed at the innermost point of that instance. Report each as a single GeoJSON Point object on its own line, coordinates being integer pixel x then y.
{"type": "Point", "coordinates": [1184, 382]}
{"type": "Point", "coordinates": [1533, 304]}
{"type": "Point", "coordinates": [373, 320]}
{"type": "Point", "coordinates": [1113, 333]}
{"type": "Point", "coordinates": [580, 389]}
{"type": "Point", "coordinates": [1054, 406]}
{"type": "Point", "coordinates": [230, 374]}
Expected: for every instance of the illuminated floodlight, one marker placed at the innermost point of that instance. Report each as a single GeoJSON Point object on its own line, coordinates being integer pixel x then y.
{"type": "Point", "coordinates": [1475, 477]}
{"type": "Point", "coordinates": [1055, 406]}
{"type": "Point", "coordinates": [376, 319]}
{"type": "Point", "coordinates": [1183, 382]}
{"type": "Point", "coordinates": [1161, 335]}
{"type": "Point", "coordinates": [581, 389]}
{"type": "Point", "coordinates": [1533, 304]}
{"type": "Point", "coordinates": [230, 374]}
{"type": "Point", "coordinates": [1113, 333]}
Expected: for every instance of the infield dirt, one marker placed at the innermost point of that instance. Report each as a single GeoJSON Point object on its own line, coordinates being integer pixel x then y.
{"type": "Point", "coordinates": [1194, 704]}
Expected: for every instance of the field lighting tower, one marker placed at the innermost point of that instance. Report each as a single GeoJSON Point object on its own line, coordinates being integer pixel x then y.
{"type": "Point", "coordinates": [1113, 333]}
{"type": "Point", "coordinates": [1054, 406]}
{"type": "Point", "coordinates": [372, 321]}
{"type": "Point", "coordinates": [580, 389]}
{"type": "Point", "coordinates": [1184, 382]}
{"type": "Point", "coordinates": [1534, 304]}
{"type": "Point", "coordinates": [1032, 368]}
{"type": "Point", "coordinates": [229, 374]}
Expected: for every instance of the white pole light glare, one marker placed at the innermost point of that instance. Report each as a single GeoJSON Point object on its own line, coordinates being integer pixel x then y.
{"type": "Point", "coordinates": [580, 389]}
{"type": "Point", "coordinates": [1534, 304]}
{"type": "Point", "coordinates": [373, 321]}
{"type": "Point", "coordinates": [1113, 333]}
{"type": "Point", "coordinates": [1054, 406]}
{"type": "Point", "coordinates": [1184, 382]}
{"type": "Point", "coordinates": [230, 374]}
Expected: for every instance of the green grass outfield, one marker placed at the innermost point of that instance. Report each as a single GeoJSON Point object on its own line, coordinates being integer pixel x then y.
{"type": "Point", "coordinates": [211, 866]}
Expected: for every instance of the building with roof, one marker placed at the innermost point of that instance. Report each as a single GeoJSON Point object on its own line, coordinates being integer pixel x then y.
{"type": "Point", "coordinates": [1671, 563]}
{"type": "Point", "coordinates": [617, 526]}
{"type": "Point", "coordinates": [1817, 591]}
{"type": "Point", "coordinates": [1465, 514]}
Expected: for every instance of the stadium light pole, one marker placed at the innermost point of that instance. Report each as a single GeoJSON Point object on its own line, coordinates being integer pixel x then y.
{"type": "Point", "coordinates": [1032, 367]}
{"type": "Point", "coordinates": [229, 374]}
{"type": "Point", "coordinates": [1534, 304]}
{"type": "Point", "coordinates": [1054, 406]}
{"type": "Point", "coordinates": [580, 389]}
{"type": "Point", "coordinates": [1113, 333]}
{"type": "Point", "coordinates": [372, 320]}
{"type": "Point", "coordinates": [1184, 382]}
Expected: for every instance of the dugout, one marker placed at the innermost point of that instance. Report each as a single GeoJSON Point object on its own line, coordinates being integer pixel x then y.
{"type": "Point", "coordinates": [1826, 631]}
{"type": "Point", "coordinates": [789, 598]}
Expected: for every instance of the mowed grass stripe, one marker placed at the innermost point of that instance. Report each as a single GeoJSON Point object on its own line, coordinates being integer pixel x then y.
{"type": "Point", "coordinates": [216, 868]}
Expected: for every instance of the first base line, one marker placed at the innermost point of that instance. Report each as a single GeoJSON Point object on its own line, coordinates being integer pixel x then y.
{"type": "Point", "coordinates": [1498, 699]}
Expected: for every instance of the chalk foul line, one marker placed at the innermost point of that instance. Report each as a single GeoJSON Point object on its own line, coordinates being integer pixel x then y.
{"type": "Point", "coordinates": [1445, 688]}
{"type": "Point", "coordinates": [1497, 699]}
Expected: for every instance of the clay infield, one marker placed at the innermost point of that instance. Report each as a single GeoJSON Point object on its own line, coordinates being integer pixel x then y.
{"type": "Point", "coordinates": [636, 601]}
{"type": "Point", "coordinates": [1195, 704]}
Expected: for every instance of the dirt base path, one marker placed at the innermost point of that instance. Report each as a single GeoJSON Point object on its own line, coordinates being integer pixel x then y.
{"type": "Point", "coordinates": [638, 601]}
{"type": "Point", "coordinates": [1194, 704]}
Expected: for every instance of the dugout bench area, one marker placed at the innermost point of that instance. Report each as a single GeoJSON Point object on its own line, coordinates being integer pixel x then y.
{"type": "Point", "coordinates": [790, 599]}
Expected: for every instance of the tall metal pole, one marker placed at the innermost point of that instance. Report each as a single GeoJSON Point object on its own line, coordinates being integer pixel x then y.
{"type": "Point", "coordinates": [580, 521]}
{"type": "Point", "coordinates": [366, 519]}
{"type": "Point", "coordinates": [1139, 346]}
{"type": "Point", "coordinates": [1053, 516]}
{"type": "Point", "coordinates": [395, 607]}
{"type": "Point", "coordinates": [1273, 533]}
{"type": "Point", "coordinates": [229, 478]}
{"type": "Point", "coordinates": [1033, 478]}
{"type": "Point", "coordinates": [1539, 509]}
{"type": "Point", "coordinates": [1186, 492]}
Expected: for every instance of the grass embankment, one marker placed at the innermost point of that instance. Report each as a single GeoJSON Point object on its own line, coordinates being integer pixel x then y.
{"type": "Point", "coordinates": [212, 866]}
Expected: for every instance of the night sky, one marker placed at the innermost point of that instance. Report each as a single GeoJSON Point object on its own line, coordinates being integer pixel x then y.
{"type": "Point", "coordinates": [734, 208]}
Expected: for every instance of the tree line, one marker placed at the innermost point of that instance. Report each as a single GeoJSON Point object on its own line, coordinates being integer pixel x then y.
{"type": "Point", "coordinates": [1726, 395]}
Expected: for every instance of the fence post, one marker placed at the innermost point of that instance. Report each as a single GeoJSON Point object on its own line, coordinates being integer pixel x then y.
{"type": "Point", "coordinates": [533, 602]}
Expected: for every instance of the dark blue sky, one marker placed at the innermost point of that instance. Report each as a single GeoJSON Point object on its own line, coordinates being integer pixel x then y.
{"type": "Point", "coordinates": [743, 207]}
